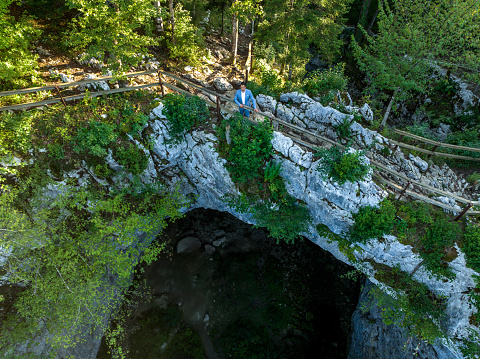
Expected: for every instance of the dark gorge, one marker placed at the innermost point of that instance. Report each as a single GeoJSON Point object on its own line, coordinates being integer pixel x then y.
{"type": "Point", "coordinates": [233, 292]}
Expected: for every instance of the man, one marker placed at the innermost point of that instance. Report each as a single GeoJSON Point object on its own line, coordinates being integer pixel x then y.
{"type": "Point", "coordinates": [243, 97]}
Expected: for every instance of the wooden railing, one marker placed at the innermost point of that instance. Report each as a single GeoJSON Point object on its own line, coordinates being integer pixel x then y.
{"type": "Point", "coordinates": [296, 133]}
{"type": "Point", "coordinates": [436, 145]}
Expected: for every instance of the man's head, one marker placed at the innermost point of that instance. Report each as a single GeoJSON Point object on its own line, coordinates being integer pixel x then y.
{"type": "Point", "coordinates": [243, 86]}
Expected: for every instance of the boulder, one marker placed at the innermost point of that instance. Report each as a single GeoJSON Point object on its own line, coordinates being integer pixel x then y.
{"type": "Point", "coordinates": [188, 245]}
{"type": "Point", "coordinates": [222, 84]}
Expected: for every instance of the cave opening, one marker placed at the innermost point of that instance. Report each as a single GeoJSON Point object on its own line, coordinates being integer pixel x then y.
{"type": "Point", "coordinates": [224, 289]}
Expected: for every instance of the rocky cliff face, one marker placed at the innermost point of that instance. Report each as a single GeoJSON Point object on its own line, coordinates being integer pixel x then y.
{"type": "Point", "coordinates": [371, 338]}
{"type": "Point", "coordinates": [197, 169]}
{"type": "Point", "coordinates": [199, 172]}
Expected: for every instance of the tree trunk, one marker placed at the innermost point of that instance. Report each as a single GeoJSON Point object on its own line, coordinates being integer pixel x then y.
{"type": "Point", "coordinates": [234, 39]}
{"type": "Point", "coordinates": [369, 28]}
{"type": "Point", "coordinates": [250, 48]}
{"type": "Point", "coordinates": [362, 20]}
{"type": "Point", "coordinates": [172, 20]}
{"type": "Point", "coordinates": [290, 71]}
{"type": "Point", "coordinates": [159, 19]}
{"type": "Point", "coordinates": [389, 108]}
{"type": "Point", "coordinates": [221, 32]}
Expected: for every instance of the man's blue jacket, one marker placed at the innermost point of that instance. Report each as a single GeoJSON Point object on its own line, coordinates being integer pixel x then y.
{"type": "Point", "coordinates": [248, 98]}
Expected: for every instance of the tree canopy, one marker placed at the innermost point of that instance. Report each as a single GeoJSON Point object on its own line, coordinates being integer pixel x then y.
{"type": "Point", "coordinates": [414, 37]}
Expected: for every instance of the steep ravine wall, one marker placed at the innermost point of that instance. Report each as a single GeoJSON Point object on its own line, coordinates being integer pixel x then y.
{"type": "Point", "coordinates": [198, 169]}
{"type": "Point", "coordinates": [199, 172]}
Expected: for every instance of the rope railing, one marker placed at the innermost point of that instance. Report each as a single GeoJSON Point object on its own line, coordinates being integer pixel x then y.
{"type": "Point", "coordinates": [297, 139]}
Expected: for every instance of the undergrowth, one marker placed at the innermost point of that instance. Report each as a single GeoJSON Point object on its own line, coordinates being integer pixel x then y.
{"type": "Point", "coordinates": [415, 307]}
{"type": "Point", "coordinates": [342, 166]}
{"type": "Point", "coordinates": [249, 153]}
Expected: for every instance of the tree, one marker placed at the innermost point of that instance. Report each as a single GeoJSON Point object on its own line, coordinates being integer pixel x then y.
{"type": "Point", "coordinates": [17, 63]}
{"type": "Point", "coordinates": [243, 10]}
{"type": "Point", "coordinates": [294, 25]}
{"type": "Point", "coordinates": [72, 257]}
{"type": "Point", "coordinates": [415, 36]}
{"type": "Point", "coordinates": [115, 32]}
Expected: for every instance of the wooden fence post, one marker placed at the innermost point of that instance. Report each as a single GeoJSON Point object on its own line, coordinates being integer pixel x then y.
{"type": "Point", "coordinates": [403, 191]}
{"type": "Point", "coordinates": [61, 97]}
{"type": "Point", "coordinates": [246, 75]}
{"type": "Point", "coordinates": [457, 218]}
{"type": "Point", "coordinates": [161, 84]}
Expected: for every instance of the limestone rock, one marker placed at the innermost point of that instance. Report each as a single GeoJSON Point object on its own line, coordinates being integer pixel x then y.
{"type": "Point", "coordinates": [220, 241]}
{"type": "Point", "coordinates": [266, 103]}
{"type": "Point", "coordinates": [366, 112]}
{"type": "Point", "coordinates": [209, 249]}
{"type": "Point", "coordinates": [188, 245]}
{"type": "Point", "coordinates": [222, 84]}
{"type": "Point", "coordinates": [419, 162]}
{"type": "Point", "coordinates": [219, 233]}
{"type": "Point", "coordinates": [370, 338]}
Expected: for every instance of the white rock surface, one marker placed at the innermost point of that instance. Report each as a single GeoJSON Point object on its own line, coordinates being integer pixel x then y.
{"type": "Point", "coordinates": [222, 84]}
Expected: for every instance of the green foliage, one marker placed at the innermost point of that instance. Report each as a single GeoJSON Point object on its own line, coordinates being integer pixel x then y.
{"type": "Point", "coordinates": [133, 121]}
{"type": "Point", "coordinates": [269, 83]}
{"type": "Point", "coordinates": [344, 129]}
{"type": "Point", "coordinates": [15, 132]}
{"type": "Point", "coordinates": [265, 194]}
{"type": "Point", "coordinates": [17, 62]}
{"type": "Point", "coordinates": [183, 113]}
{"type": "Point", "coordinates": [342, 166]}
{"type": "Point", "coordinates": [474, 177]}
{"type": "Point", "coordinates": [292, 27]}
{"type": "Point", "coordinates": [471, 246]}
{"type": "Point", "coordinates": [132, 158]}
{"type": "Point", "coordinates": [471, 348]}
{"type": "Point", "coordinates": [115, 33]}
{"type": "Point", "coordinates": [94, 139]}
{"type": "Point", "coordinates": [321, 83]}
{"type": "Point", "coordinates": [440, 235]}
{"type": "Point", "coordinates": [63, 250]}
{"type": "Point", "coordinates": [188, 46]}
{"type": "Point", "coordinates": [446, 86]}
{"type": "Point", "coordinates": [284, 221]}
{"type": "Point", "coordinates": [411, 36]}
{"type": "Point", "coordinates": [249, 150]}
{"type": "Point", "coordinates": [372, 222]}
{"type": "Point", "coordinates": [415, 308]}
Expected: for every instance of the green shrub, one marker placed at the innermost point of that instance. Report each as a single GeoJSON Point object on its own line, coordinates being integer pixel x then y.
{"type": "Point", "coordinates": [132, 158]}
{"type": "Point", "coordinates": [324, 82]}
{"type": "Point", "coordinates": [471, 246]}
{"type": "Point", "coordinates": [344, 129]}
{"type": "Point", "coordinates": [474, 177]}
{"type": "Point", "coordinates": [132, 121]}
{"type": "Point", "coordinates": [274, 182]}
{"type": "Point", "coordinates": [342, 166]}
{"type": "Point", "coordinates": [249, 150]}
{"type": "Point", "coordinates": [268, 83]}
{"type": "Point", "coordinates": [184, 113]}
{"type": "Point", "coordinates": [415, 308]}
{"type": "Point", "coordinates": [438, 236]}
{"type": "Point", "coordinates": [189, 46]}
{"type": "Point", "coordinates": [15, 132]}
{"type": "Point", "coordinates": [372, 222]}
{"type": "Point", "coordinates": [94, 139]}
{"type": "Point", "coordinates": [284, 221]}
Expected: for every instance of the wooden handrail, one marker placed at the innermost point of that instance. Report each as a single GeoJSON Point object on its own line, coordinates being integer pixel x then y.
{"type": "Point", "coordinates": [438, 144]}
{"type": "Point", "coordinates": [273, 118]}
{"type": "Point", "coordinates": [434, 153]}
{"type": "Point", "coordinates": [70, 84]}
{"type": "Point", "coordinates": [426, 199]}
{"type": "Point", "coordinates": [24, 106]}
